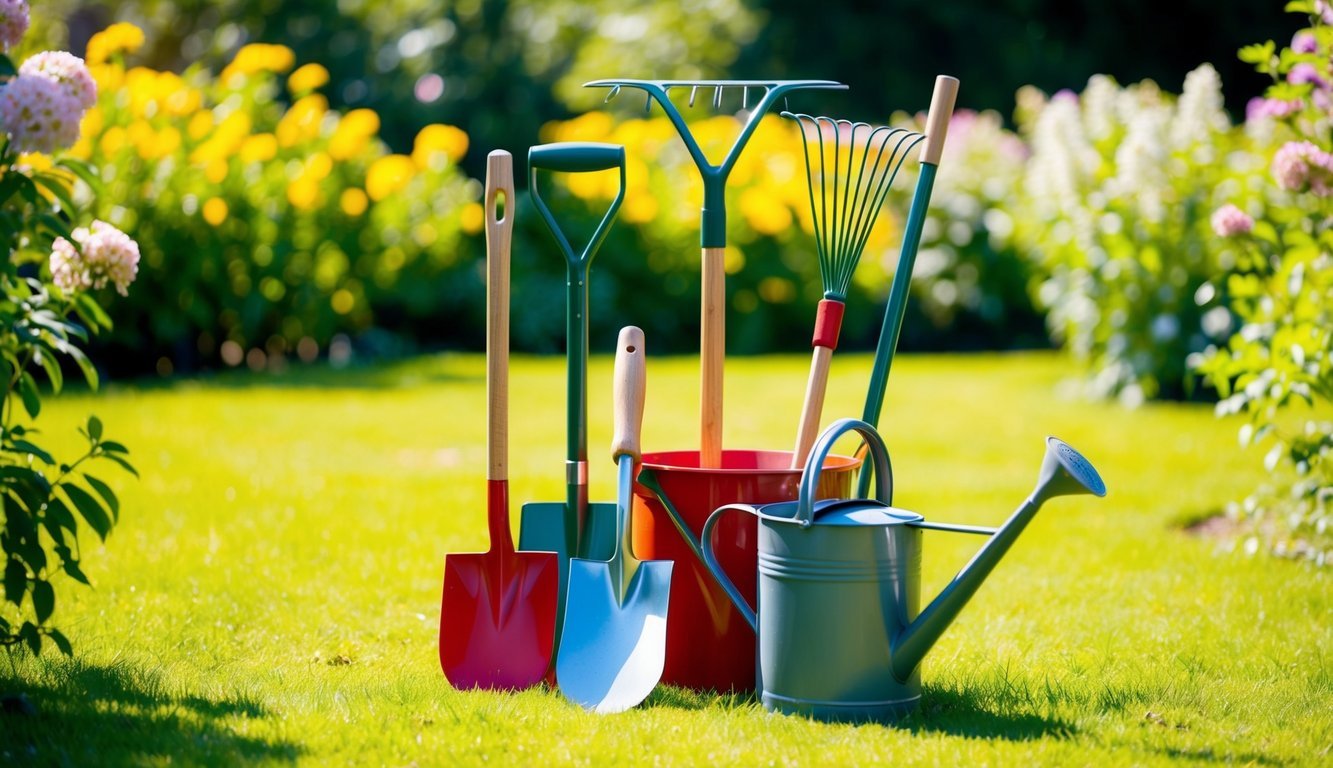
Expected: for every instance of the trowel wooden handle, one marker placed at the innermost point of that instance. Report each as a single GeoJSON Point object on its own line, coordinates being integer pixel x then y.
{"type": "Point", "coordinates": [499, 231]}
{"type": "Point", "coordinates": [628, 390]}
{"type": "Point", "coordinates": [937, 121]}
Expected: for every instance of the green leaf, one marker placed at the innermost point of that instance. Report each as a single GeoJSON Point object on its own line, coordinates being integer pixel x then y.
{"type": "Point", "coordinates": [61, 641]}
{"type": "Point", "coordinates": [91, 311]}
{"type": "Point", "coordinates": [58, 516]}
{"type": "Point", "coordinates": [85, 365]}
{"type": "Point", "coordinates": [43, 600]}
{"type": "Point", "coordinates": [52, 368]}
{"type": "Point", "coordinates": [23, 446]}
{"type": "Point", "coordinates": [90, 508]}
{"type": "Point", "coordinates": [7, 66]}
{"type": "Point", "coordinates": [111, 446]}
{"type": "Point", "coordinates": [59, 189]}
{"type": "Point", "coordinates": [32, 402]}
{"type": "Point", "coordinates": [122, 462]}
{"type": "Point", "coordinates": [107, 494]}
{"type": "Point", "coordinates": [1300, 6]}
{"type": "Point", "coordinates": [83, 170]}
{"type": "Point", "coordinates": [94, 428]}
{"type": "Point", "coordinates": [30, 634]}
{"type": "Point", "coordinates": [16, 581]}
{"type": "Point", "coordinates": [70, 565]}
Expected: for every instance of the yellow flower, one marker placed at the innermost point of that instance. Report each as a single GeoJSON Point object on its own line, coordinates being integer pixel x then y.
{"type": "Point", "coordinates": [302, 120]}
{"type": "Point", "coordinates": [472, 218]}
{"type": "Point", "coordinates": [640, 206]}
{"type": "Point", "coordinates": [307, 78]}
{"type": "Point", "coordinates": [318, 166]}
{"type": "Point", "coordinates": [342, 301]}
{"type": "Point", "coordinates": [215, 211]}
{"type": "Point", "coordinates": [303, 193]}
{"type": "Point", "coordinates": [255, 58]}
{"type": "Point", "coordinates": [353, 201]}
{"type": "Point", "coordinates": [200, 124]}
{"type": "Point", "coordinates": [113, 140]}
{"type": "Point", "coordinates": [216, 171]}
{"type": "Point", "coordinates": [259, 148]}
{"type": "Point", "coordinates": [765, 211]}
{"type": "Point", "coordinates": [108, 77]}
{"type": "Point", "coordinates": [353, 132]}
{"type": "Point", "coordinates": [388, 175]}
{"type": "Point", "coordinates": [122, 37]}
{"type": "Point", "coordinates": [776, 290]}
{"type": "Point", "coordinates": [438, 144]}
{"type": "Point", "coordinates": [225, 141]}
{"type": "Point", "coordinates": [34, 161]}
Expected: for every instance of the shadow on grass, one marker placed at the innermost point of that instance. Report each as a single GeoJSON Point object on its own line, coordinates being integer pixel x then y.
{"type": "Point", "coordinates": [123, 715]}
{"type": "Point", "coordinates": [942, 711]}
{"type": "Point", "coordinates": [377, 375]}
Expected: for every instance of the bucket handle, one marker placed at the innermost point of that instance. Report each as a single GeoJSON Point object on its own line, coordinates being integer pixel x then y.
{"type": "Point", "coordinates": [878, 453]}
{"type": "Point", "coordinates": [710, 560]}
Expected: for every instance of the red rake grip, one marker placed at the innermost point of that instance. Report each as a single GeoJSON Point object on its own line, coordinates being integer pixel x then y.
{"type": "Point", "coordinates": [828, 323]}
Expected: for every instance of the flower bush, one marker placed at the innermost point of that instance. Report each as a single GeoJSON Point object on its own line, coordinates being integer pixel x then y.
{"type": "Point", "coordinates": [1280, 237]}
{"type": "Point", "coordinates": [1116, 210]}
{"type": "Point", "coordinates": [270, 222]}
{"type": "Point", "coordinates": [43, 322]}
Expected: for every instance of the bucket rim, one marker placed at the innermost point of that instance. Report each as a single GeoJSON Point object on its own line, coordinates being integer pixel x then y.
{"type": "Point", "coordinates": [669, 461]}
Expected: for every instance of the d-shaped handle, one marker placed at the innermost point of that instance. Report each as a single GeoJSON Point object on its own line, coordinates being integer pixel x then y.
{"type": "Point", "coordinates": [576, 156]}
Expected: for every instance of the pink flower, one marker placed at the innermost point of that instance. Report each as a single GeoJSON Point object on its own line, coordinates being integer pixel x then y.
{"type": "Point", "coordinates": [38, 114]}
{"type": "Point", "coordinates": [1229, 221]}
{"type": "Point", "coordinates": [1304, 42]}
{"type": "Point", "coordinates": [105, 254]}
{"type": "Point", "coordinates": [13, 22]}
{"type": "Point", "coordinates": [1259, 108]}
{"type": "Point", "coordinates": [1305, 72]}
{"type": "Point", "coordinates": [67, 71]}
{"type": "Point", "coordinates": [1299, 164]}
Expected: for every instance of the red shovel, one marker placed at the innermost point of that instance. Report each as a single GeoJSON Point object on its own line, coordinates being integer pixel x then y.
{"type": "Point", "coordinates": [497, 616]}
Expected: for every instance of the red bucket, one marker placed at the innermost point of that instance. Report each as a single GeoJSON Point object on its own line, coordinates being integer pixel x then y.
{"type": "Point", "coordinates": [709, 646]}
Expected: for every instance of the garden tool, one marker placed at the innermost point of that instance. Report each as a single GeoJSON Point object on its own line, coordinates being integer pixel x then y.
{"type": "Point", "coordinates": [713, 229]}
{"type": "Point", "coordinates": [573, 528]}
{"type": "Point", "coordinates": [498, 611]}
{"type": "Point", "coordinates": [937, 125]}
{"type": "Point", "coordinates": [614, 641]}
{"type": "Point", "coordinates": [840, 635]}
{"type": "Point", "coordinates": [852, 167]}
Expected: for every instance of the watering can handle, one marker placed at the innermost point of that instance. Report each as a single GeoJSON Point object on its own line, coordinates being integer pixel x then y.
{"type": "Point", "coordinates": [878, 453]}
{"type": "Point", "coordinates": [710, 560]}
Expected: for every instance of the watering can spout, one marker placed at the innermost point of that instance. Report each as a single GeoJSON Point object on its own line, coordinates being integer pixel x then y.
{"type": "Point", "coordinates": [1064, 472]}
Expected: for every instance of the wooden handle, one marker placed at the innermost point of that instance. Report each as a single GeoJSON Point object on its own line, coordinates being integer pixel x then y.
{"type": "Point", "coordinates": [813, 409]}
{"type": "Point", "coordinates": [712, 351]}
{"type": "Point", "coordinates": [499, 232]}
{"type": "Point", "coordinates": [630, 383]}
{"type": "Point", "coordinates": [937, 120]}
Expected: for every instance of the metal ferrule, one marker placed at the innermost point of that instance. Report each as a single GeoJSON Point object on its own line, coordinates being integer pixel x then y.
{"type": "Point", "coordinates": [784, 566]}
{"type": "Point", "coordinates": [576, 473]}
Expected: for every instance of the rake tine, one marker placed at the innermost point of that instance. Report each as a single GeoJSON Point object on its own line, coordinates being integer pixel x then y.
{"type": "Point", "coordinates": [611, 94]}
{"type": "Point", "coordinates": [717, 97]}
{"type": "Point", "coordinates": [693, 91]}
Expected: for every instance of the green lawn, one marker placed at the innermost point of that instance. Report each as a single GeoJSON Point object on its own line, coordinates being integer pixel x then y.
{"type": "Point", "coordinates": [272, 592]}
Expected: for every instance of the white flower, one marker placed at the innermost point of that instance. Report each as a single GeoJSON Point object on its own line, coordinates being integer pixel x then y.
{"type": "Point", "coordinates": [67, 70]}
{"type": "Point", "coordinates": [1199, 112]}
{"type": "Point", "coordinates": [13, 22]}
{"type": "Point", "coordinates": [39, 114]}
{"type": "Point", "coordinates": [105, 254]}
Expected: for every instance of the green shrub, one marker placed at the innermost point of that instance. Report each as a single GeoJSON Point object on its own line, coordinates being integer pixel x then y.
{"type": "Point", "coordinates": [270, 222]}
{"type": "Point", "coordinates": [1115, 212]}
{"type": "Point", "coordinates": [45, 318]}
{"type": "Point", "coordinates": [1280, 360]}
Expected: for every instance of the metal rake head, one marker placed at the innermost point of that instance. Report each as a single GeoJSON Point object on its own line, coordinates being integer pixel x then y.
{"type": "Point", "coordinates": [850, 167]}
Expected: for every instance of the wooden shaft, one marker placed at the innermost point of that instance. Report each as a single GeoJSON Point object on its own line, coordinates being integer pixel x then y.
{"type": "Point", "coordinates": [499, 232]}
{"type": "Point", "coordinates": [712, 350]}
{"type": "Point", "coordinates": [937, 120]}
{"type": "Point", "coordinates": [813, 409]}
{"type": "Point", "coordinates": [628, 393]}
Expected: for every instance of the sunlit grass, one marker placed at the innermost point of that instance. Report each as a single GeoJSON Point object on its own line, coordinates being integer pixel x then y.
{"type": "Point", "coordinates": [272, 592]}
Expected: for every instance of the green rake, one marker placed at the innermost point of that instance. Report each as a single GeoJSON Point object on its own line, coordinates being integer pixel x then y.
{"type": "Point", "coordinates": [850, 168]}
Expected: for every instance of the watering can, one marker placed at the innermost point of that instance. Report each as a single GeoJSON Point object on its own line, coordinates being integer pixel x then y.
{"type": "Point", "coordinates": [839, 632]}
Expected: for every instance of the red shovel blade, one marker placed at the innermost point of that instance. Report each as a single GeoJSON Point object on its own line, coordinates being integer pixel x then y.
{"type": "Point", "coordinates": [497, 616]}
